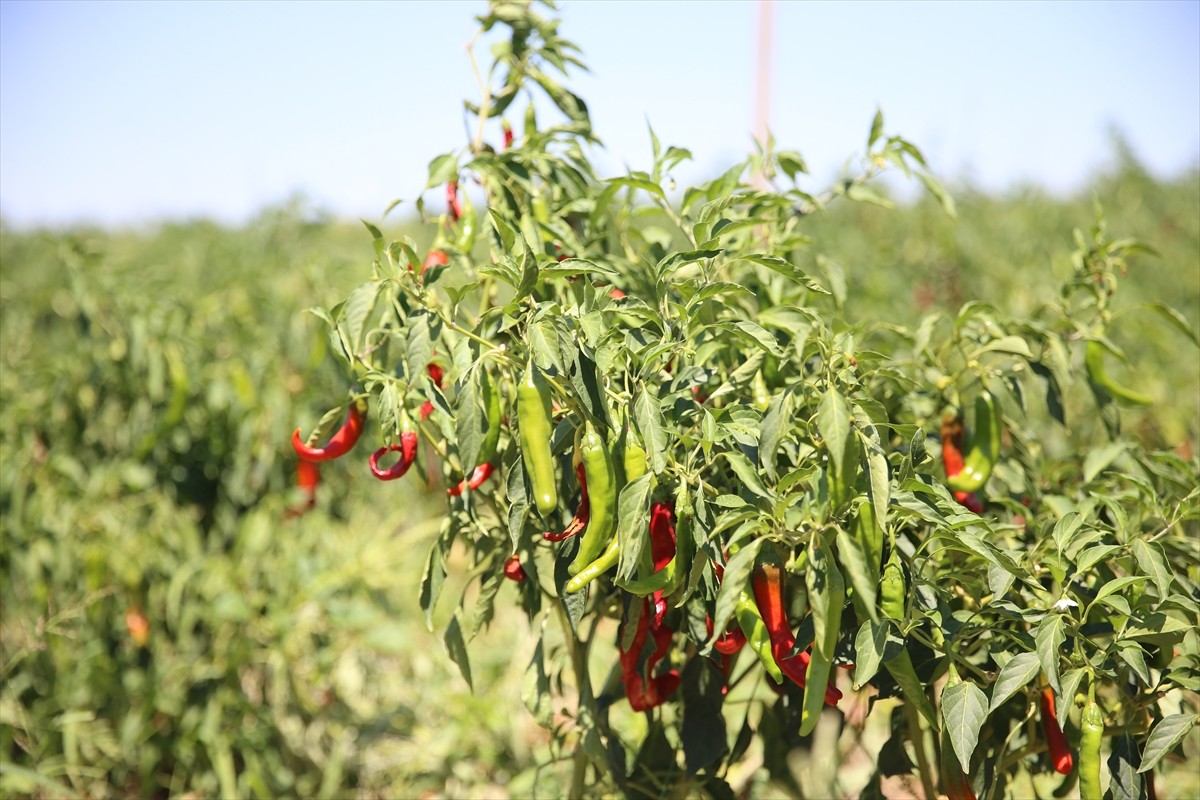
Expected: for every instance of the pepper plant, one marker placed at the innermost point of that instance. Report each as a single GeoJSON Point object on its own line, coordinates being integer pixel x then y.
{"type": "Point", "coordinates": [648, 410]}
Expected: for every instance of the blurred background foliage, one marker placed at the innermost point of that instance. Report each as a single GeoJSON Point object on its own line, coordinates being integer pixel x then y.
{"type": "Point", "coordinates": [167, 630]}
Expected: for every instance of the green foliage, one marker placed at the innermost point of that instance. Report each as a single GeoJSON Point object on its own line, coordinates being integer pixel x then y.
{"type": "Point", "coordinates": [788, 359]}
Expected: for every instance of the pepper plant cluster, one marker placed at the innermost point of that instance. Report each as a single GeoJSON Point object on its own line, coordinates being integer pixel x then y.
{"type": "Point", "coordinates": [647, 409]}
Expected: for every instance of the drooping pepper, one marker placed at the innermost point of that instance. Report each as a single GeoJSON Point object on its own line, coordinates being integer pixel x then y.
{"type": "Point", "coordinates": [671, 552]}
{"type": "Point", "coordinates": [535, 429]}
{"type": "Point", "coordinates": [767, 582]}
{"type": "Point", "coordinates": [985, 448]}
{"type": "Point", "coordinates": [827, 622]}
{"type": "Point", "coordinates": [754, 629]}
{"type": "Point", "coordinates": [582, 511]}
{"type": "Point", "coordinates": [644, 689]}
{"type": "Point", "coordinates": [952, 458]}
{"type": "Point", "coordinates": [340, 443]}
{"type": "Point", "coordinates": [762, 395]}
{"type": "Point", "coordinates": [1090, 741]}
{"type": "Point", "coordinates": [892, 595]}
{"type": "Point", "coordinates": [513, 569]}
{"type": "Point", "coordinates": [308, 478]}
{"type": "Point", "coordinates": [602, 498]}
{"type": "Point", "coordinates": [1056, 742]}
{"type": "Point", "coordinates": [1094, 363]}
{"type": "Point", "coordinates": [407, 449]}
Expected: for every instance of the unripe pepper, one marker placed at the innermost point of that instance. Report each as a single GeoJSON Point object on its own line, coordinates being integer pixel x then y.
{"type": "Point", "coordinates": [892, 594]}
{"type": "Point", "coordinates": [985, 448]}
{"type": "Point", "coordinates": [467, 225]}
{"type": "Point", "coordinates": [340, 443]}
{"type": "Point", "coordinates": [754, 629]}
{"type": "Point", "coordinates": [602, 497]}
{"type": "Point", "coordinates": [952, 458]}
{"type": "Point", "coordinates": [1090, 740]}
{"type": "Point", "coordinates": [535, 429]}
{"type": "Point", "coordinates": [1098, 375]}
{"type": "Point", "coordinates": [1056, 742]}
{"type": "Point", "coordinates": [762, 395]}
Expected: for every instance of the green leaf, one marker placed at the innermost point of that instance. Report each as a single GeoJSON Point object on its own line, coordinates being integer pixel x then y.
{"type": "Point", "coordinates": [1014, 676]}
{"type": "Point", "coordinates": [535, 692]}
{"type": "Point", "coordinates": [456, 648]}
{"type": "Point", "coordinates": [1165, 737]}
{"type": "Point", "coordinates": [876, 129]}
{"type": "Point", "coordinates": [442, 169]}
{"type": "Point", "coordinates": [1049, 638]}
{"type": "Point", "coordinates": [649, 420]}
{"type": "Point", "coordinates": [633, 520]}
{"type": "Point", "coordinates": [358, 308]}
{"type": "Point", "coordinates": [1006, 344]}
{"type": "Point", "coordinates": [964, 710]}
{"type": "Point", "coordinates": [470, 425]}
{"type": "Point", "coordinates": [746, 473]}
{"type": "Point", "coordinates": [1099, 458]}
{"type": "Point", "coordinates": [869, 646]}
{"type": "Point", "coordinates": [833, 421]}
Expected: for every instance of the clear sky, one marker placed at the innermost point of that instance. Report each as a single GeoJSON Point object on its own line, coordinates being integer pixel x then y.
{"type": "Point", "coordinates": [123, 112]}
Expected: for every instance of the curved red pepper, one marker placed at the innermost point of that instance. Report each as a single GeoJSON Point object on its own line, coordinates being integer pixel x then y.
{"type": "Point", "coordinates": [339, 444]}
{"type": "Point", "coordinates": [767, 582]}
{"type": "Point", "coordinates": [478, 476]}
{"type": "Point", "coordinates": [408, 454]}
{"type": "Point", "coordinates": [582, 511]}
{"type": "Point", "coordinates": [730, 642]}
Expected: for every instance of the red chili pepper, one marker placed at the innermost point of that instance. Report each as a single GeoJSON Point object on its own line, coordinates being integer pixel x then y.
{"type": "Point", "coordinates": [582, 511]}
{"type": "Point", "coordinates": [339, 444]}
{"type": "Point", "coordinates": [513, 569]}
{"type": "Point", "coordinates": [617, 294]}
{"type": "Point", "coordinates": [1060, 750]}
{"type": "Point", "coordinates": [767, 581]}
{"type": "Point", "coordinates": [308, 478]}
{"type": "Point", "coordinates": [478, 476]}
{"type": "Point", "coordinates": [452, 202]}
{"type": "Point", "coordinates": [730, 642]}
{"type": "Point", "coordinates": [508, 133]}
{"type": "Point", "coordinates": [970, 501]}
{"type": "Point", "coordinates": [434, 257]}
{"type": "Point", "coordinates": [407, 449]}
{"type": "Point", "coordinates": [662, 535]}
{"type": "Point", "coordinates": [437, 374]}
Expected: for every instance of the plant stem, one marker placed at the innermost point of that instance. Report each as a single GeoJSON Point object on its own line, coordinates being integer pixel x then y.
{"type": "Point", "coordinates": [918, 728]}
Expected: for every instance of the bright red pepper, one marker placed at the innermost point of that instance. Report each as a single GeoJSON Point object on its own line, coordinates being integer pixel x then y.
{"type": "Point", "coordinates": [644, 693]}
{"type": "Point", "coordinates": [308, 478]}
{"type": "Point", "coordinates": [582, 511]}
{"type": "Point", "coordinates": [478, 476]}
{"type": "Point", "coordinates": [436, 373]}
{"type": "Point", "coordinates": [1060, 750]}
{"type": "Point", "coordinates": [508, 133]}
{"type": "Point", "coordinates": [513, 569]}
{"type": "Point", "coordinates": [339, 444]}
{"type": "Point", "coordinates": [767, 581]}
{"type": "Point", "coordinates": [407, 449]}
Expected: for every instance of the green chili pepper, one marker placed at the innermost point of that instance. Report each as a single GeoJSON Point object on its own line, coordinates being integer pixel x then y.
{"type": "Point", "coordinates": [1094, 362]}
{"type": "Point", "coordinates": [985, 448]}
{"type": "Point", "coordinates": [892, 593]}
{"type": "Point", "coordinates": [633, 458]}
{"type": "Point", "coordinates": [825, 582]}
{"type": "Point", "coordinates": [535, 427]}
{"type": "Point", "coordinates": [762, 395]}
{"type": "Point", "coordinates": [602, 498]}
{"type": "Point", "coordinates": [750, 620]}
{"type": "Point", "coordinates": [492, 402]}
{"type": "Point", "coordinates": [1090, 739]}
{"type": "Point", "coordinates": [607, 560]}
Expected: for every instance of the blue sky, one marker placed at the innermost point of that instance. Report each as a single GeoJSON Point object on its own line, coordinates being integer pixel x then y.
{"type": "Point", "coordinates": [125, 112]}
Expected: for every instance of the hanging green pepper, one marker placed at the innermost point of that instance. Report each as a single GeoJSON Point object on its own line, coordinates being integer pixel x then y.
{"type": "Point", "coordinates": [824, 578]}
{"type": "Point", "coordinates": [985, 448]}
{"type": "Point", "coordinates": [762, 395]}
{"type": "Point", "coordinates": [535, 428]}
{"type": "Point", "coordinates": [1090, 740]}
{"type": "Point", "coordinates": [602, 498]}
{"type": "Point", "coordinates": [607, 560]}
{"type": "Point", "coordinates": [892, 593]}
{"type": "Point", "coordinates": [633, 458]}
{"type": "Point", "coordinates": [1093, 360]}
